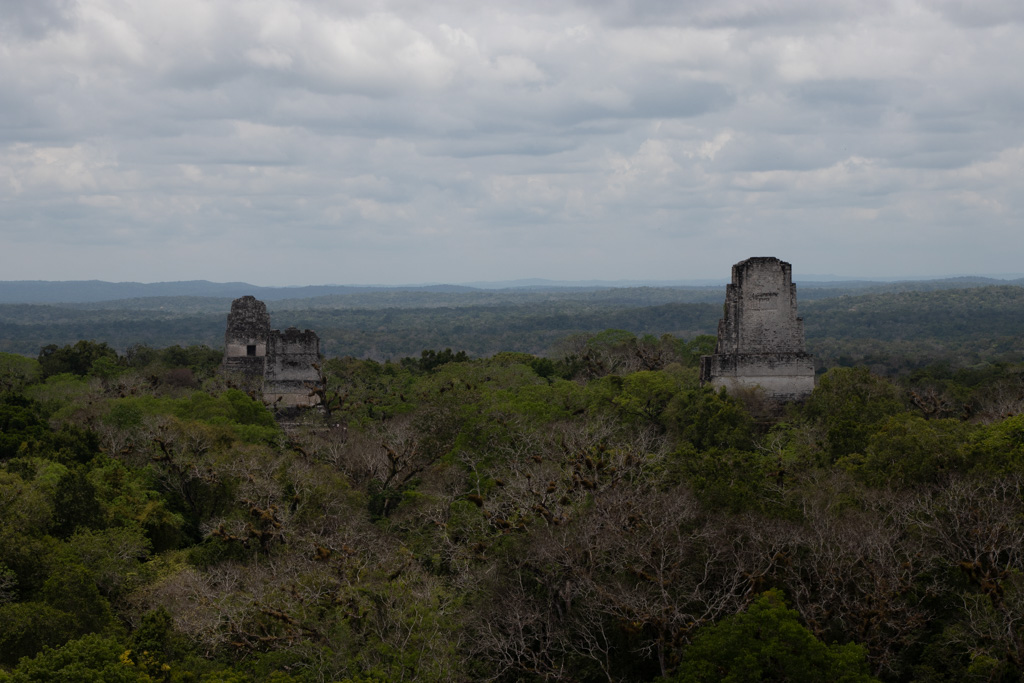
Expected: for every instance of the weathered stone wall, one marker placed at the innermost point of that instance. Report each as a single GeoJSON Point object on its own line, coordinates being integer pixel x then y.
{"type": "Point", "coordinates": [245, 340]}
{"type": "Point", "coordinates": [760, 337]}
{"type": "Point", "coordinates": [760, 310]}
{"type": "Point", "coordinates": [292, 373]}
{"type": "Point", "coordinates": [782, 376]}
{"type": "Point", "coordinates": [283, 365]}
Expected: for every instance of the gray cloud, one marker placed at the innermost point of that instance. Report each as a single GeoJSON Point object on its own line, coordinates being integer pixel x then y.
{"type": "Point", "coordinates": [305, 142]}
{"type": "Point", "coordinates": [34, 20]}
{"type": "Point", "coordinates": [986, 14]}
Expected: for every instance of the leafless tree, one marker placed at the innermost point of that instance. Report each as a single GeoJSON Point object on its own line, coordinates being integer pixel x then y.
{"type": "Point", "coordinates": [1002, 400]}
{"type": "Point", "coordinates": [858, 571]}
{"type": "Point", "coordinates": [639, 568]}
{"type": "Point", "coordinates": [994, 629]}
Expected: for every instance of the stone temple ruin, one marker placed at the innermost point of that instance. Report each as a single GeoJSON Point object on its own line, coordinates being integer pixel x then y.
{"type": "Point", "coordinates": [761, 339]}
{"type": "Point", "coordinates": [284, 364]}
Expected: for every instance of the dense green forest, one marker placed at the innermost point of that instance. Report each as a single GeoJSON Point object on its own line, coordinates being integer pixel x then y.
{"type": "Point", "coordinates": [891, 327]}
{"type": "Point", "coordinates": [93, 291]}
{"type": "Point", "coordinates": [588, 515]}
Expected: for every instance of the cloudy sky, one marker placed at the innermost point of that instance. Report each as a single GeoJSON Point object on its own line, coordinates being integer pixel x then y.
{"type": "Point", "coordinates": [319, 141]}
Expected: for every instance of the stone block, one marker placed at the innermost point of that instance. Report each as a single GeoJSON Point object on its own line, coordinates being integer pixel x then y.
{"type": "Point", "coordinates": [761, 338]}
{"type": "Point", "coordinates": [285, 365]}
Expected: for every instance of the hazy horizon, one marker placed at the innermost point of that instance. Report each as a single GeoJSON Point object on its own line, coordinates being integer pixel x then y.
{"type": "Point", "coordinates": [528, 282]}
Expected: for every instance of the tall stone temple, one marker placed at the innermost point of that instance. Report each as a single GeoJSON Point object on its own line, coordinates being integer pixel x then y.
{"type": "Point", "coordinates": [761, 339]}
{"type": "Point", "coordinates": [285, 364]}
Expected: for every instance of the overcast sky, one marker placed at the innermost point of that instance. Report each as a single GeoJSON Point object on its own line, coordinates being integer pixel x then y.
{"type": "Point", "coordinates": [316, 141]}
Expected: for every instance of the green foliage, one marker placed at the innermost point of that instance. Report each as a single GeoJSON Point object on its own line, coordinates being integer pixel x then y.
{"type": "Point", "coordinates": [72, 444]}
{"type": "Point", "coordinates": [76, 359]}
{"type": "Point", "coordinates": [906, 450]}
{"type": "Point", "coordinates": [111, 556]}
{"type": "Point", "coordinates": [430, 360]}
{"type": "Point", "coordinates": [139, 355]}
{"type": "Point", "coordinates": [90, 659]}
{"type": "Point", "coordinates": [28, 627]}
{"type": "Point", "coordinates": [233, 406]}
{"type": "Point", "coordinates": [60, 395]}
{"type": "Point", "coordinates": [706, 419]}
{"type": "Point", "coordinates": [615, 351]}
{"type": "Point", "coordinates": [243, 417]}
{"type": "Point", "coordinates": [131, 502]}
{"type": "Point", "coordinates": [17, 372]}
{"type": "Point", "coordinates": [540, 403]}
{"type": "Point", "coordinates": [26, 511]}
{"type": "Point", "coordinates": [72, 589]}
{"type": "Point", "coordinates": [701, 345]}
{"type": "Point", "coordinates": [106, 368]}
{"type": "Point", "coordinates": [156, 640]}
{"type": "Point", "coordinates": [490, 518]}
{"type": "Point", "coordinates": [21, 425]}
{"type": "Point", "coordinates": [27, 508]}
{"type": "Point", "coordinates": [24, 432]}
{"type": "Point", "coordinates": [998, 448]}
{"type": "Point", "coordinates": [174, 367]}
{"type": "Point", "coordinates": [725, 478]}
{"type": "Point", "coordinates": [361, 392]}
{"type": "Point", "coordinates": [646, 394]}
{"type": "Point", "coordinates": [768, 643]}
{"type": "Point", "coordinates": [124, 415]}
{"type": "Point", "coordinates": [75, 505]}
{"type": "Point", "coordinates": [200, 358]}
{"type": "Point", "coordinates": [8, 585]}
{"type": "Point", "coordinates": [848, 403]}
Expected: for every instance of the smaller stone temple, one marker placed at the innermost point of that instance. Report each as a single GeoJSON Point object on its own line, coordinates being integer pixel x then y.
{"type": "Point", "coordinates": [284, 365]}
{"type": "Point", "coordinates": [761, 339]}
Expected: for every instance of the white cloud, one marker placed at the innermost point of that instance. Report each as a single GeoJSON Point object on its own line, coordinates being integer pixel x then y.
{"type": "Point", "coordinates": [658, 139]}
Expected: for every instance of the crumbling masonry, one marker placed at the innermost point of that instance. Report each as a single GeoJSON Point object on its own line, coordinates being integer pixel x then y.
{"type": "Point", "coordinates": [285, 364]}
{"type": "Point", "coordinates": [761, 339]}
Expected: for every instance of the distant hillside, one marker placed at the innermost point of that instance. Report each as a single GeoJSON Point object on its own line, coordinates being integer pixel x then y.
{"type": "Point", "coordinates": [888, 326]}
{"type": "Point", "coordinates": [91, 291]}
{"type": "Point", "coordinates": [949, 314]}
{"type": "Point", "coordinates": [96, 291]}
{"type": "Point", "coordinates": [386, 332]}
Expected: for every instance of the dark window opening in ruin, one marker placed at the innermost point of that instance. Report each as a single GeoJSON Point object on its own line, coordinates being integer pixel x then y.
{"type": "Point", "coordinates": [250, 350]}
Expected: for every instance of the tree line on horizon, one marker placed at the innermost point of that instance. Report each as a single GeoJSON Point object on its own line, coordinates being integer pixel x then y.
{"type": "Point", "coordinates": [891, 332]}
